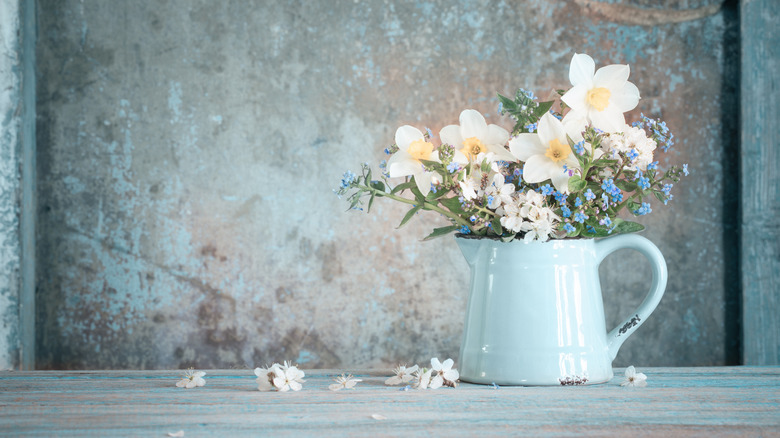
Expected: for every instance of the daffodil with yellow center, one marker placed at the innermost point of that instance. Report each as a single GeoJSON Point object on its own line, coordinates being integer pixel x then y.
{"type": "Point", "coordinates": [420, 149]}
{"type": "Point", "coordinates": [413, 147]}
{"type": "Point", "coordinates": [546, 153]}
{"type": "Point", "coordinates": [472, 147]}
{"type": "Point", "coordinates": [599, 97]}
{"type": "Point", "coordinates": [557, 151]}
{"type": "Point", "coordinates": [474, 137]}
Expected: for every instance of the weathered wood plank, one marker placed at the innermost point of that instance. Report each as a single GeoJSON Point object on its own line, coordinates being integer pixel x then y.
{"type": "Point", "coordinates": [712, 401]}
{"type": "Point", "coordinates": [760, 227]}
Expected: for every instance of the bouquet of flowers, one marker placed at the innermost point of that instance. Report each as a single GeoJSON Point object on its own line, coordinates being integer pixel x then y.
{"type": "Point", "coordinates": [559, 174]}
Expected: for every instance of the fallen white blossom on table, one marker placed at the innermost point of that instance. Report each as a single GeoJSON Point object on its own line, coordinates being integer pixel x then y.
{"type": "Point", "coordinates": [422, 378]}
{"type": "Point", "coordinates": [344, 382]}
{"type": "Point", "coordinates": [283, 378]}
{"type": "Point", "coordinates": [445, 374]}
{"type": "Point", "coordinates": [633, 378]}
{"type": "Point", "coordinates": [402, 375]}
{"type": "Point", "coordinates": [176, 434]}
{"type": "Point", "coordinates": [378, 417]}
{"type": "Point", "coordinates": [191, 379]}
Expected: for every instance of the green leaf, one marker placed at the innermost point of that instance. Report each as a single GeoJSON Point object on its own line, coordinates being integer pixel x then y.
{"type": "Point", "coordinates": [543, 108]}
{"type": "Point", "coordinates": [576, 183]}
{"type": "Point", "coordinates": [626, 186]}
{"type": "Point", "coordinates": [370, 203]}
{"type": "Point", "coordinates": [410, 214]}
{"type": "Point", "coordinates": [509, 105]}
{"type": "Point", "coordinates": [453, 205]}
{"type": "Point", "coordinates": [628, 227]}
{"type": "Point", "coordinates": [378, 185]}
{"type": "Point", "coordinates": [438, 232]}
{"type": "Point", "coordinates": [495, 225]}
{"type": "Point", "coordinates": [661, 197]}
{"type": "Point", "coordinates": [403, 186]}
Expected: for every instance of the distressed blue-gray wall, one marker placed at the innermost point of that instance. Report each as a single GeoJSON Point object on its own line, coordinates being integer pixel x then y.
{"type": "Point", "coordinates": [10, 128]}
{"type": "Point", "coordinates": [188, 151]}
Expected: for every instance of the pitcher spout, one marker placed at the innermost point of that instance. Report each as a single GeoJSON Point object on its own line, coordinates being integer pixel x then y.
{"type": "Point", "coordinates": [469, 248]}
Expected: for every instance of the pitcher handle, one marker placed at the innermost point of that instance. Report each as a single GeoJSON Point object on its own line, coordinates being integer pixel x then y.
{"type": "Point", "coordinates": [605, 247]}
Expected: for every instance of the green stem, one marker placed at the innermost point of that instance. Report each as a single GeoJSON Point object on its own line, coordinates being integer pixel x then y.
{"type": "Point", "coordinates": [426, 205]}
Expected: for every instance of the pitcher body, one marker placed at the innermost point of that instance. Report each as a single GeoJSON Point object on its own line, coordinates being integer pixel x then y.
{"type": "Point", "coordinates": [535, 312]}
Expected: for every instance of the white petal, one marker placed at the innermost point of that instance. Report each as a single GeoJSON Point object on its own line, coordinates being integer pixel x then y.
{"type": "Point", "coordinates": [609, 120]}
{"type": "Point", "coordinates": [496, 135]}
{"type": "Point", "coordinates": [500, 153]}
{"type": "Point", "coordinates": [525, 145]}
{"type": "Point", "coordinates": [550, 128]}
{"type": "Point", "coordinates": [395, 380]}
{"type": "Point", "coordinates": [436, 382]}
{"type": "Point", "coordinates": [612, 77]}
{"type": "Point", "coordinates": [539, 168]}
{"type": "Point", "coordinates": [627, 98]}
{"type": "Point", "coordinates": [472, 124]}
{"type": "Point", "coordinates": [405, 135]}
{"type": "Point", "coordinates": [452, 375]}
{"type": "Point", "coordinates": [450, 135]}
{"type": "Point", "coordinates": [459, 157]}
{"type": "Point", "coordinates": [575, 98]}
{"type": "Point", "coordinates": [295, 386]}
{"type": "Point", "coordinates": [447, 365]}
{"type": "Point", "coordinates": [335, 386]}
{"type": "Point", "coordinates": [561, 181]}
{"type": "Point", "coordinates": [181, 383]}
{"type": "Point", "coordinates": [436, 364]}
{"type": "Point", "coordinates": [402, 164]}
{"type": "Point", "coordinates": [581, 70]}
{"type": "Point", "coordinates": [574, 123]}
{"type": "Point", "coordinates": [423, 180]}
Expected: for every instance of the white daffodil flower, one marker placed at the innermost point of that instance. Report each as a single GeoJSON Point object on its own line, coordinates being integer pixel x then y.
{"type": "Point", "coordinates": [546, 153]}
{"type": "Point", "coordinates": [633, 378]}
{"type": "Point", "coordinates": [445, 374]}
{"type": "Point", "coordinates": [413, 147]}
{"type": "Point", "coordinates": [474, 137]}
{"type": "Point", "coordinates": [402, 375]}
{"type": "Point", "coordinates": [600, 96]}
{"type": "Point", "coordinates": [191, 379]}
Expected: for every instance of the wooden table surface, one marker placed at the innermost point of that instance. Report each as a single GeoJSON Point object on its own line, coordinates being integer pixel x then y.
{"type": "Point", "coordinates": [734, 401]}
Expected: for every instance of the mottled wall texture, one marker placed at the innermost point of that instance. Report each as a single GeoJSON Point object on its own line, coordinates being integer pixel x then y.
{"type": "Point", "coordinates": [188, 152]}
{"type": "Point", "coordinates": [10, 126]}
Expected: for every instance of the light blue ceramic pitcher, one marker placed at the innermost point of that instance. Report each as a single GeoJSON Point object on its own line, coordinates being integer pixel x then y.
{"type": "Point", "coordinates": [535, 314]}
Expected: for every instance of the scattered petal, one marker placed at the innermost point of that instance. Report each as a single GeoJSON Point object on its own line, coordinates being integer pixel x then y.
{"type": "Point", "coordinates": [192, 379]}
{"type": "Point", "coordinates": [378, 417]}
{"type": "Point", "coordinates": [633, 378]}
{"type": "Point", "coordinates": [176, 434]}
{"type": "Point", "coordinates": [344, 382]}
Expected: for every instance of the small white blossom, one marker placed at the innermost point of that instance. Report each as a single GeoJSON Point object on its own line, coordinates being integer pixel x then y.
{"type": "Point", "coordinates": [633, 378]}
{"type": "Point", "coordinates": [422, 378]}
{"type": "Point", "coordinates": [445, 374]}
{"type": "Point", "coordinates": [498, 192]}
{"type": "Point", "coordinates": [344, 382]}
{"type": "Point", "coordinates": [265, 377]}
{"type": "Point", "coordinates": [288, 377]}
{"type": "Point", "coordinates": [402, 375]}
{"type": "Point", "coordinates": [630, 138]}
{"type": "Point", "coordinates": [191, 379]}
